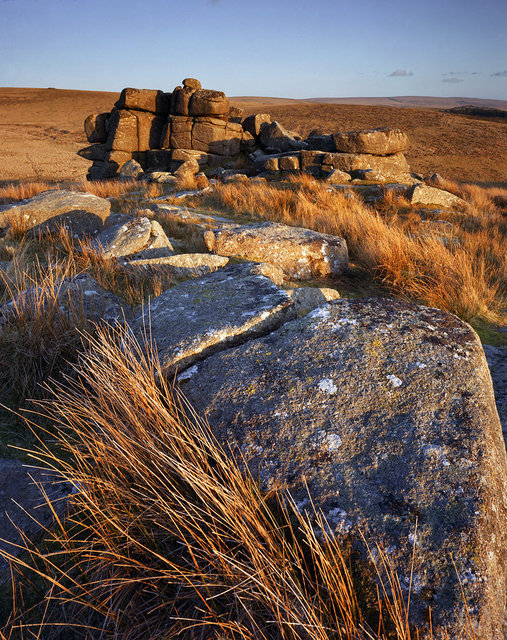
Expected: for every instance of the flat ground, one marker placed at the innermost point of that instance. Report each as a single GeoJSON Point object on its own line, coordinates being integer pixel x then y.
{"type": "Point", "coordinates": [42, 129]}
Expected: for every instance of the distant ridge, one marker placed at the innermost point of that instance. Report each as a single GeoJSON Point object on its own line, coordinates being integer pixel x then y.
{"type": "Point", "coordinates": [431, 102]}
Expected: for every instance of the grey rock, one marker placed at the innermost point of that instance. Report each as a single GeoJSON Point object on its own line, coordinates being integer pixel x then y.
{"type": "Point", "coordinates": [383, 413]}
{"type": "Point", "coordinates": [300, 253]}
{"type": "Point", "coordinates": [254, 124]}
{"type": "Point", "coordinates": [335, 176]}
{"type": "Point", "coordinates": [273, 135]}
{"type": "Point", "coordinates": [307, 299]}
{"type": "Point", "coordinates": [124, 239]}
{"type": "Point", "coordinates": [393, 167]}
{"type": "Point", "coordinates": [422, 194]}
{"type": "Point", "coordinates": [162, 177]}
{"type": "Point", "coordinates": [185, 265]}
{"type": "Point", "coordinates": [210, 313]}
{"type": "Point", "coordinates": [71, 209]}
{"type": "Point", "coordinates": [95, 127]}
{"type": "Point", "coordinates": [380, 142]}
{"type": "Point", "coordinates": [131, 170]}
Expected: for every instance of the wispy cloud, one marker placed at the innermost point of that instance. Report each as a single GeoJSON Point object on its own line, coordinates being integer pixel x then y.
{"type": "Point", "coordinates": [502, 74]}
{"type": "Point", "coordinates": [452, 80]}
{"type": "Point", "coordinates": [400, 73]}
{"type": "Point", "coordinates": [462, 73]}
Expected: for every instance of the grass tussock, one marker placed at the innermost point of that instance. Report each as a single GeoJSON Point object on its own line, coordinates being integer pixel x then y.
{"type": "Point", "coordinates": [457, 263]}
{"type": "Point", "coordinates": [167, 537]}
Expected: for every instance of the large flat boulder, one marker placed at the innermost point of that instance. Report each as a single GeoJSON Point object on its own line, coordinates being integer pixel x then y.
{"type": "Point", "coordinates": [274, 136]}
{"type": "Point", "coordinates": [216, 136]}
{"type": "Point", "coordinates": [379, 142]}
{"type": "Point", "coordinates": [300, 253]}
{"type": "Point", "coordinates": [181, 266]}
{"type": "Point", "coordinates": [210, 313]}
{"type": "Point", "coordinates": [65, 208]}
{"type": "Point", "coordinates": [139, 234]}
{"type": "Point", "coordinates": [152, 100]}
{"type": "Point", "coordinates": [424, 195]}
{"type": "Point", "coordinates": [384, 412]}
{"type": "Point", "coordinates": [394, 167]}
{"type": "Point", "coordinates": [206, 102]}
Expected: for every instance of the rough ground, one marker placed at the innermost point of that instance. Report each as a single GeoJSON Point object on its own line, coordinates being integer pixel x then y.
{"type": "Point", "coordinates": [42, 129]}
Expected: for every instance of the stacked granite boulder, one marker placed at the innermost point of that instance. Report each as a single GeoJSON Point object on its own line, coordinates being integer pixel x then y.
{"type": "Point", "coordinates": [198, 127]}
{"type": "Point", "coordinates": [162, 130]}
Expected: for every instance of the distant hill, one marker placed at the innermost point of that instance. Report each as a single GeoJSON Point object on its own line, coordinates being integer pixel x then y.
{"type": "Point", "coordinates": [429, 102]}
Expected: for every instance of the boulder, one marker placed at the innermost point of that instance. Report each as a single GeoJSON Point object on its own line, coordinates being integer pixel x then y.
{"type": "Point", "coordinates": [383, 413]}
{"type": "Point", "coordinates": [115, 161]}
{"type": "Point", "coordinates": [379, 142]}
{"type": "Point", "coordinates": [182, 155]}
{"type": "Point", "coordinates": [335, 176]}
{"type": "Point", "coordinates": [149, 130]}
{"type": "Point", "coordinates": [422, 194]}
{"type": "Point", "coordinates": [81, 298]}
{"type": "Point", "coordinates": [124, 239]}
{"type": "Point", "coordinates": [187, 170]}
{"type": "Point", "coordinates": [122, 131]}
{"type": "Point", "coordinates": [93, 152]}
{"type": "Point", "coordinates": [311, 161]}
{"type": "Point", "coordinates": [152, 100]}
{"type": "Point", "coordinates": [300, 253]}
{"type": "Point", "coordinates": [274, 136]}
{"type": "Point", "coordinates": [63, 207]}
{"type": "Point", "coordinates": [497, 363]}
{"type": "Point", "coordinates": [320, 142]}
{"type": "Point", "coordinates": [192, 83]}
{"type": "Point", "coordinates": [247, 141]}
{"type": "Point", "coordinates": [289, 163]}
{"type": "Point", "coordinates": [184, 265]}
{"type": "Point", "coordinates": [254, 124]}
{"type": "Point", "coordinates": [271, 164]}
{"type": "Point", "coordinates": [180, 132]}
{"type": "Point", "coordinates": [192, 320]}
{"type": "Point", "coordinates": [216, 136]}
{"type": "Point", "coordinates": [158, 244]}
{"type": "Point", "coordinates": [181, 99]}
{"type": "Point", "coordinates": [205, 102]}
{"type": "Point", "coordinates": [236, 114]}
{"type": "Point", "coordinates": [162, 177]}
{"type": "Point", "coordinates": [131, 170]}
{"type": "Point", "coordinates": [95, 127]}
{"type": "Point", "coordinates": [394, 167]}
{"type": "Point", "coordinates": [307, 299]}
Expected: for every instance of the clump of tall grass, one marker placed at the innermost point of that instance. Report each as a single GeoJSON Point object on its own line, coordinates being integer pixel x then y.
{"type": "Point", "coordinates": [463, 271]}
{"type": "Point", "coordinates": [166, 536]}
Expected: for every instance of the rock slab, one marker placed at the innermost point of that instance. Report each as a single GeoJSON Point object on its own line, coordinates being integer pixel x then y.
{"type": "Point", "coordinates": [210, 313]}
{"type": "Point", "coordinates": [386, 412]}
{"type": "Point", "coordinates": [300, 253]}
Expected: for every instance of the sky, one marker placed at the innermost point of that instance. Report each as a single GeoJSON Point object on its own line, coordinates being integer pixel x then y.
{"type": "Point", "coordinates": [284, 48]}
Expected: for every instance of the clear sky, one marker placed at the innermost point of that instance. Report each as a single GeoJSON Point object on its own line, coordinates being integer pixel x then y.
{"type": "Point", "coordinates": [287, 48]}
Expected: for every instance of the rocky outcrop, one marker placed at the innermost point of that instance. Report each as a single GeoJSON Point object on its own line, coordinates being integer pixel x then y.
{"type": "Point", "coordinates": [139, 236]}
{"type": "Point", "coordinates": [378, 142]}
{"type": "Point", "coordinates": [383, 413]}
{"type": "Point", "coordinates": [300, 253]}
{"type": "Point", "coordinates": [431, 196]}
{"type": "Point", "coordinates": [190, 321]}
{"type": "Point", "coordinates": [182, 266]}
{"type": "Point", "coordinates": [80, 213]}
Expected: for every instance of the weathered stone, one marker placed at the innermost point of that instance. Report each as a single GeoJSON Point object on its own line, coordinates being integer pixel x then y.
{"type": "Point", "coordinates": [271, 164]}
{"type": "Point", "coordinates": [152, 100]}
{"type": "Point", "coordinates": [184, 265]}
{"type": "Point", "coordinates": [307, 299]}
{"type": "Point", "coordinates": [236, 114]}
{"type": "Point", "coordinates": [115, 161]}
{"type": "Point", "coordinates": [289, 163]}
{"type": "Point", "coordinates": [61, 206]}
{"type": "Point", "coordinates": [182, 155]}
{"type": "Point", "coordinates": [158, 159]}
{"type": "Point", "coordinates": [247, 141]}
{"type": "Point", "coordinates": [422, 194]}
{"type": "Point", "coordinates": [158, 245]}
{"type": "Point", "coordinates": [205, 102]}
{"type": "Point", "coordinates": [216, 136]}
{"type": "Point", "coordinates": [394, 167]}
{"type": "Point", "coordinates": [93, 152]}
{"type": "Point", "coordinates": [378, 142]}
{"type": "Point", "coordinates": [335, 176]}
{"type": "Point", "coordinates": [181, 98]}
{"type": "Point", "coordinates": [254, 124]}
{"type": "Point", "coordinates": [81, 298]}
{"type": "Point", "coordinates": [192, 83]}
{"type": "Point", "coordinates": [149, 130]}
{"type": "Point", "coordinates": [122, 131]}
{"type": "Point", "coordinates": [383, 413]}
{"type": "Point", "coordinates": [497, 363]}
{"type": "Point", "coordinates": [181, 132]}
{"type": "Point", "coordinates": [321, 142]}
{"type": "Point", "coordinates": [300, 253]}
{"type": "Point", "coordinates": [235, 177]}
{"type": "Point", "coordinates": [273, 135]}
{"type": "Point", "coordinates": [192, 320]}
{"type": "Point", "coordinates": [369, 175]}
{"type": "Point", "coordinates": [131, 170]}
{"type": "Point", "coordinates": [162, 177]}
{"type": "Point", "coordinates": [311, 161]}
{"type": "Point", "coordinates": [95, 127]}
{"type": "Point", "coordinates": [124, 239]}
{"type": "Point", "coordinates": [187, 170]}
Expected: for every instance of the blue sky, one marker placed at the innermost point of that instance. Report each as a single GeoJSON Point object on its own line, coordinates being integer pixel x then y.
{"type": "Point", "coordinates": [287, 48]}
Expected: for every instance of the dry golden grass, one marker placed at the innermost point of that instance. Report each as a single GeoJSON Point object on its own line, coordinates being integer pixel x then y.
{"type": "Point", "coordinates": [461, 269]}
{"type": "Point", "coordinates": [167, 537]}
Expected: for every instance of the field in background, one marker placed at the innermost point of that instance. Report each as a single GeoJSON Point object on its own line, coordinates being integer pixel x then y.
{"type": "Point", "coordinates": [42, 129]}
